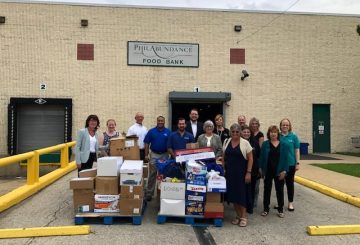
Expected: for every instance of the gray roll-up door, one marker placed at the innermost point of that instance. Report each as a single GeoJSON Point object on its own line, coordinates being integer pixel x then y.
{"type": "Point", "coordinates": [39, 126]}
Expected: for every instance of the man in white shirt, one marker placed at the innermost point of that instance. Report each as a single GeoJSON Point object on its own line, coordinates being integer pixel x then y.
{"type": "Point", "coordinates": [140, 131]}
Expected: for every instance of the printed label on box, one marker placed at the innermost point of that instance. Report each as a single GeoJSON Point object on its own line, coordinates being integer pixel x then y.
{"type": "Point", "coordinates": [197, 188]}
{"type": "Point", "coordinates": [129, 143]}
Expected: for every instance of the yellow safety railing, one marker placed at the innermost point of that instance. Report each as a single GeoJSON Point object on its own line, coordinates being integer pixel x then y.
{"type": "Point", "coordinates": [34, 182]}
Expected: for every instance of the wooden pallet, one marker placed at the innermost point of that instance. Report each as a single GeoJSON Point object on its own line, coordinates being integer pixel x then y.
{"type": "Point", "coordinates": [106, 218]}
{"type": "Point", "coordinates": [109, 218]}
{"type": "Point", "coordinates": [193, 220]}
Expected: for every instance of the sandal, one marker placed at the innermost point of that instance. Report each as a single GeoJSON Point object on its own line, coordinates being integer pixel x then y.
{"type": "Point", "coordinates": [281, 215]}
{"type": "Point", "coordinates": [243, 222]}
{"type": "Point", "coordinates": [236, 221]}
{"type": "Point", "coordinates": [264, 213]}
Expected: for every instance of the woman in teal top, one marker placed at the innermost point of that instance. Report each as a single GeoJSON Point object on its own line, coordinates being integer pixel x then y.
{"type": "Point", "coordinates": [274, 166]}
{"type": "Point", "coordinates": [294, 156]}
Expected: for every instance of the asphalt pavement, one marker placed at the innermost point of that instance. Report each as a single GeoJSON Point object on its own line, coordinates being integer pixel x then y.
{"type": "Point", "coordinates": [53, 207]}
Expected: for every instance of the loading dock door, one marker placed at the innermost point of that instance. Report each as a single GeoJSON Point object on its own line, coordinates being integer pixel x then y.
{"type": "Point", "coordinates": [209, 105]}
{"type": "Point", "coordinates": [39, 126]}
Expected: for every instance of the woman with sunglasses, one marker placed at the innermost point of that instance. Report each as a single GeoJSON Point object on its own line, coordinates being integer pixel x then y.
{"type": "Point", "coordinates": [274, 166]}
{"type": "Point", "coordinates": [238, 161]}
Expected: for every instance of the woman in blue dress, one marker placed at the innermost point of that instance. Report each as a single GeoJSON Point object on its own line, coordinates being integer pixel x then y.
{"type": "Point", "coordinates": [238, 160]}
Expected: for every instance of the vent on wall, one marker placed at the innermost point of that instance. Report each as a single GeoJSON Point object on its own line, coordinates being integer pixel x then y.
{"type": "Point", "coordinates": [2, 19]}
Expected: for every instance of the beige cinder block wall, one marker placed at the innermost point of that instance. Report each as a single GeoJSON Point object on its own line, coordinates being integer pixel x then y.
{"type": "Point", "coordinates": [294, 61]}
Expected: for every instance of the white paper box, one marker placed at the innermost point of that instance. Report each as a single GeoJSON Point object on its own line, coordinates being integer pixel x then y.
{"type": "Point", "coordinates": [172, 207]}
{"type": "Point", "coordinates": [109, 166]}
{"type": "Point", "coordinates": [196, 188]}
{"type": "Point", "coordinates": [171, 190]}
{"type": "Point", "coordinates": [131, 172]}
{"type": "Point", "coordinates": [196, 156]}
{"type": "Point", "coordinates": [216, 185]}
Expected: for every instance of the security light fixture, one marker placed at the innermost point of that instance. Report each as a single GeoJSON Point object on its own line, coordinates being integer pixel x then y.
{"type": "Point", "coordinates": [237, 28]}
{"type": "Point", "coordinates": [244, 75]}
{"type": "Point", "coordinates": [84, 23]}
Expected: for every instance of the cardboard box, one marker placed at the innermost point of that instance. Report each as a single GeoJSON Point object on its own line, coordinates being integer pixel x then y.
{"type": "Point", "coordinates": [213, 197]}
{"type": "Point", "coordinates": [195, 196]}
{"type": "Point", "coordinates": [82, 183]}
{"type": "Point", "coordinates": [106, 203]}
{"type": "Point", "coordinates": [131, 172]}
{"type": "Point", "coordinates": [192, 146]}
{"type": "Point", "coordinates": [214, 207]}
{"type": "Point", "coordinates": [195, 168]}
{"type": "Point", "coordinates": [88, 173]}
{"type": "Point", "coordinates": [107, 185]}
{"type": "Point", "coordinates": [214, 210]}
{"type": "Point", "coordinates": [132, 191]}
{"type": "Point", "coordinates": [126, 147]}
{"type": "Point", "coordinates": [130, 206]}
{"type": "Point", "coordinates": [172, 207]}
{"type": "Point", "coordinates": [83, 200]}
{"type": "Point", "coordinates": [216, 185]}
{"type": "Point", "coordinates": [194, 208]}
{"type": "Point", "coordinates": [169, 190]}
{"type": "Point", "coordinates": [109, 166]}
{"type": "Point", "coordinates": [196, 179]}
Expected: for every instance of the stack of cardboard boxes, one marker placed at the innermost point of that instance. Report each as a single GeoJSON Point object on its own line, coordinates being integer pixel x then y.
{"type": "Point", "coordinates": [116, 185]}
{"type": "Point", "coordinates": [214, 207]}
{"type": "Point", "coordinates": [195, 195]}
{"type": "Point", "coordinates": [107, 184]}
{"type": "Point", "coordinates": [131, 187]}
{"type": "Point", "coordinates": [195, 188]}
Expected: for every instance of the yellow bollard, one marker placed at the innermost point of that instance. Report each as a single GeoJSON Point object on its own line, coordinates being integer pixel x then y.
{"type": "Point", "coordinates": [64, 157]}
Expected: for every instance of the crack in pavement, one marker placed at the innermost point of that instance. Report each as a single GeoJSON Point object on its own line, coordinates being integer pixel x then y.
{"type": "Point", "coordinates": [204, 236]}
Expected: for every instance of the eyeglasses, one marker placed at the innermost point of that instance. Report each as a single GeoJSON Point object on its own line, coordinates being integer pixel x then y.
{"type": "Point", "coordinates": [235, 132]}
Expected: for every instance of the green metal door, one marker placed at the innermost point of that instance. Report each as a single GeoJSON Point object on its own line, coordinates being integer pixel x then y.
{"type": "Point", "coordinates": [321, 128]}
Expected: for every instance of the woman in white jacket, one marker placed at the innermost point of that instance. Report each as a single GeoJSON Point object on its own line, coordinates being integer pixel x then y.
{"type": "Point", "coordinates": [87, 143]}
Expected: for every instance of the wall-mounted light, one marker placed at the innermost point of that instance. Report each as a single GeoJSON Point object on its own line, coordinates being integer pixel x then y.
{"type": "Point", "coordinates": [237, 28]}
{"type": "Point", "coordinates": [358, 29]}
{"type": "Point", "coordinates": [2, 19]}
{"type": "Point", "coordinates": [84, 23]}
{"type": "Point", "coordinates": [244, 74]}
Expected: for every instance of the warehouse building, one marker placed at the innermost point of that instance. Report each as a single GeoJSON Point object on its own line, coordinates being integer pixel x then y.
{"type": "Point", "coordinates": [62, 62]}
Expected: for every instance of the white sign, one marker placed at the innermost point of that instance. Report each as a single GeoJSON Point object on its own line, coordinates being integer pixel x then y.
{"type": "Point", "coordinates": [163, 54]}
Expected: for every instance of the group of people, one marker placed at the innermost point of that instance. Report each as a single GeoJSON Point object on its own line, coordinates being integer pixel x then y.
{"type": "Point", "coordinates": [241, 150]}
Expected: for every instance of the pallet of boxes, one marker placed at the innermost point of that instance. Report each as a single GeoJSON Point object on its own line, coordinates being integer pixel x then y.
{"type": "Point", "coordinates": [198, 198]}
{"type": "Point", "coordinates": [113, 191]}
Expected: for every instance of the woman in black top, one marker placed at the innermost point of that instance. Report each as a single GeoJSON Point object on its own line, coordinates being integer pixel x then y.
{"type": "Point", "coordinates": [246, 134]}
{"type": "Point", "coordinates": [257, 137]}
{"type": "Point", "coordinates": [219, 129]}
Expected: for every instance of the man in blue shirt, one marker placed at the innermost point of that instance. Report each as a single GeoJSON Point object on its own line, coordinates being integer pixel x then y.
{"type": "Point", "coordinates": [179, 138]}
{"type": "Point", "coordinates": [156, 142]}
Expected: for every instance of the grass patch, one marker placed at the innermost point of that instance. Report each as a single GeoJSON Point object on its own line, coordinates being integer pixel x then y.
{"type": "Point", "coordinates": [352, 169]}
{"type": "Point", "coordinates": [355, 154]}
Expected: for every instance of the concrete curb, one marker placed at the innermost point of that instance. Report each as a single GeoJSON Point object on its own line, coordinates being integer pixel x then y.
{"type": "Point", "coordinates": [10, 199]}
{"type": "Point", "coordinates": [329, 191]}
{"type": "Point", "coordinates": [333, 230]}
{"type": "Point", "coordinates": [44, 231]}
